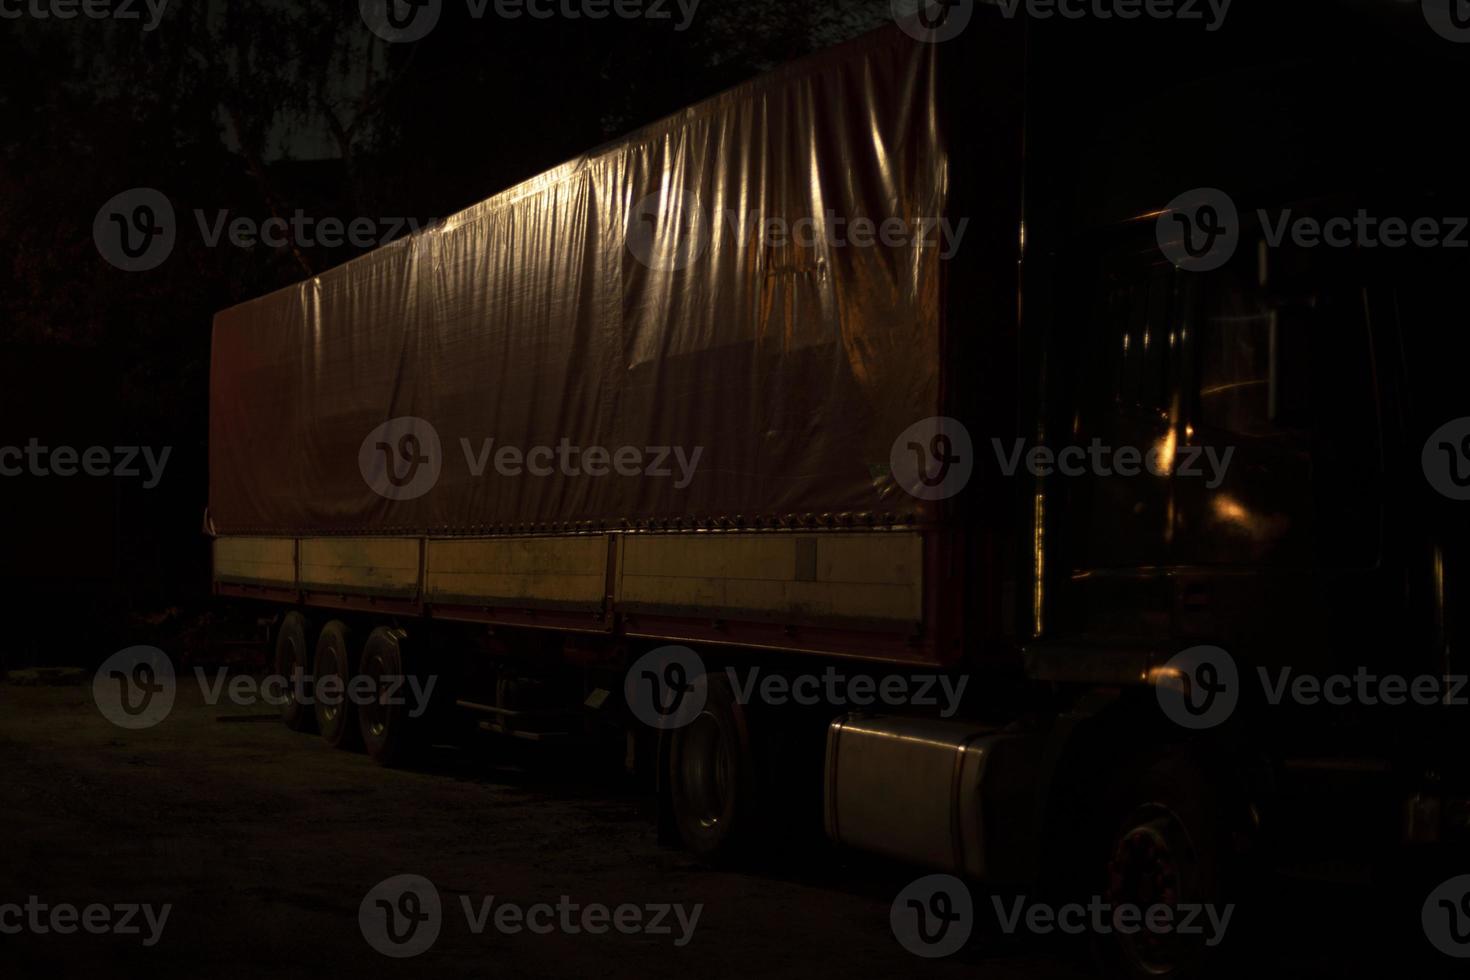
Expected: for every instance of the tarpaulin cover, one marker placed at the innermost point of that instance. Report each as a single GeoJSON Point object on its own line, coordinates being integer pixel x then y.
{"type": "Point", "coordinates": [641, 296]}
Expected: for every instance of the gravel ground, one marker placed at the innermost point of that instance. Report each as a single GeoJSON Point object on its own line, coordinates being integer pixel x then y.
{"type": "Point", "coordinates": [266, 842]}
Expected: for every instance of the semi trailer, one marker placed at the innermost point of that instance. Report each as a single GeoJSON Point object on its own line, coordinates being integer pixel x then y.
{"type": "Point", "coordinates": [1033, 450]}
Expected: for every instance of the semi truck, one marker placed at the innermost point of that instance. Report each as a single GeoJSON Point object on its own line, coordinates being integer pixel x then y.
{"type": "Point", "coordinates": [1030, 449]}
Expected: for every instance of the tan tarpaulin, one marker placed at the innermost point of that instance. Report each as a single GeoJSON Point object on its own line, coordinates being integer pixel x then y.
{"type": "Point", "coordinates": [636, 297]}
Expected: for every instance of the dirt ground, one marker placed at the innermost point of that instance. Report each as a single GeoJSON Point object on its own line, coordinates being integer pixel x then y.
{"type": "Point", "coordinates": [266, 843]}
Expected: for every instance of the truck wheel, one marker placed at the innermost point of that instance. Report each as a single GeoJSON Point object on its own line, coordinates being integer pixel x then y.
{"type": "Point", "coordinates": [293, 662]}
{"type": "Point", "coordinates": [390, 735]}
{"type": "Point", "coordinates": [335, 717]}
{"type": "Point", "coordinates": [712, 777]}
{"type": "Point", "coordinates": [1166, 847]}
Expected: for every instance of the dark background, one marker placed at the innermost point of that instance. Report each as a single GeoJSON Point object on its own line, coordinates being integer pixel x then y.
{"type": "Point", "coordinates": [260, 108]}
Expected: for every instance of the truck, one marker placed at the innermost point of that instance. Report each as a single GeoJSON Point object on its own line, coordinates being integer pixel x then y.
{"type": "Point", "coordinates": [1032, 449]}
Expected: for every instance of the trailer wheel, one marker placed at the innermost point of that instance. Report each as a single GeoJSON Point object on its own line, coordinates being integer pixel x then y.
{"type": "Point", "coordinates": [1166, 845]}
{"type": "Point", "coordinates": [712, 777]}
{"type": "Point", "coordinates": [335, 716]}
{"type": "Point", "coordinates": [293, 662]}
{"type": "Point", "coordinates": [390, 733]}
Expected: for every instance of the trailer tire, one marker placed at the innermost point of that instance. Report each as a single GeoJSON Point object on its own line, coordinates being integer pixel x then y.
{"type": "Point", "coordinates": [390, 732]}
{"type": "Point", "coordinates": [294, 654]}
{"type": "Point", "coordinates": [712, 778]}
{"type": "Point", "coordinates": [337, 720]}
